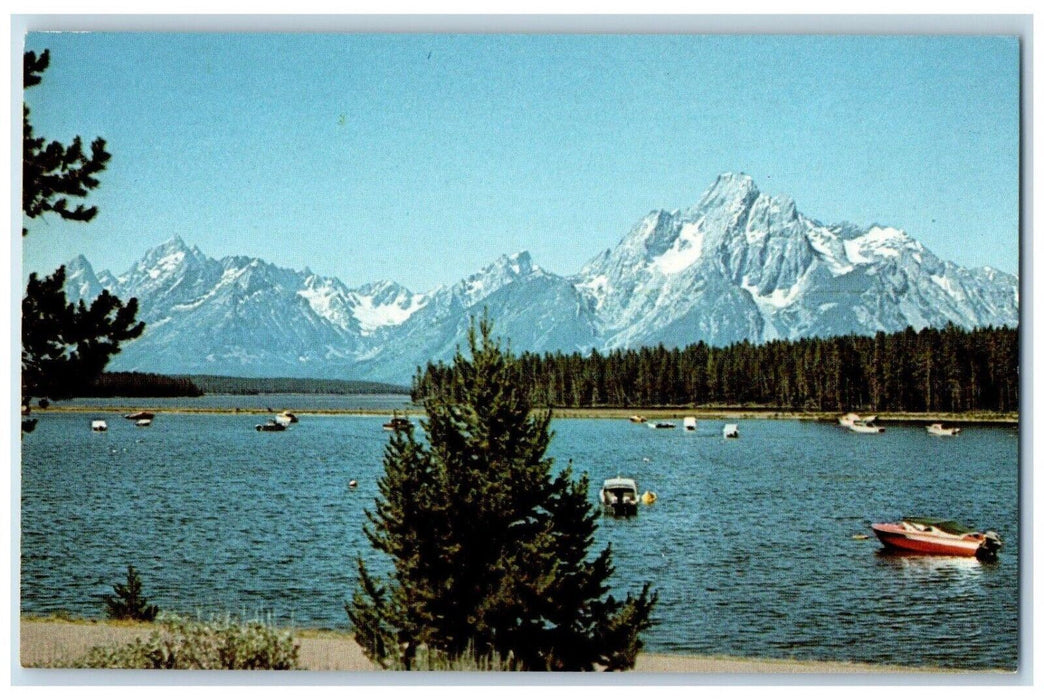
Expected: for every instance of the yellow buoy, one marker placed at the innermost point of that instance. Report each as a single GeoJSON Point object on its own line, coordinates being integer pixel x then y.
{"type": "Point", "coordinates": [648, 498]}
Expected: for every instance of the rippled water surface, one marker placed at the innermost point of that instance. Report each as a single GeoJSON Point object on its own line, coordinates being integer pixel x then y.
{"type": "Point", "coordinates": [750, 543]}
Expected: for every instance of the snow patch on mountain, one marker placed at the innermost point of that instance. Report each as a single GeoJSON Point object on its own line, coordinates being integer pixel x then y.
{"type": "Point", "coordinates": [384, 304]}
{"type": "Point", "coordinates": [684, 251]}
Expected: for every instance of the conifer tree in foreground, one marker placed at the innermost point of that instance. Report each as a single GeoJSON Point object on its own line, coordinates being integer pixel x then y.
{"type": "Point", "coordinates": [65, 347]}
{"type": "Point", "coordinates": [489, 546]}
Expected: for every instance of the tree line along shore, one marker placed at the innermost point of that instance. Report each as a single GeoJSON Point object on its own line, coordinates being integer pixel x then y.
{"type": "Point", "coordinates": [935, 371]}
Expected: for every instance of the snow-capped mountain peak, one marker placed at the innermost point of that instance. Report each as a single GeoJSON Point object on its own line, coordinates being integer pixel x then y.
{"type": "Point", "coordinates": [730, 191]}
{"type": "Point", "coordinates": [501, 272]}
{"type": "Point", "coordinates": [80, 280]}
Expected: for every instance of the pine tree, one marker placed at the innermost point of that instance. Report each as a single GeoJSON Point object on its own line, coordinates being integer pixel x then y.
{"type": "Point", "coordinates": [489, 546]}
{"type": "Point", "coordinates": [53, 172]}
{"type": "Point", "coordinates": [65, 347]}
{"type": "Point", "coordinates": [129, 603]}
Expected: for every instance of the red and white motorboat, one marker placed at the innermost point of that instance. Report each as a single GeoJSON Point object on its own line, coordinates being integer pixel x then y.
{"type": "Point", "coordinates": [933, 536]}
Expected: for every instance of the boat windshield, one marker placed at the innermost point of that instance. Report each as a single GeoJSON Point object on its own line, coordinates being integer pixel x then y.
{"type": "Point", "coordinates": [950, 526]}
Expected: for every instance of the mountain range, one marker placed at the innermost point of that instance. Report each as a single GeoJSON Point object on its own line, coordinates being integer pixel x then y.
{"type": "Point", "coordinates": [738, 265]}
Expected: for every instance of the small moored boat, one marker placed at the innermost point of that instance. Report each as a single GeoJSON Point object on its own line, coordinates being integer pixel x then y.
{"type": "Point", "coordinates": [286, 418]}
{"type": "Point", "coordinates": [272, 426]}
{"type": "Point", "coordinates": [689, 422]}
{"type": "Point", "coordinates": [143, 422]}
{"type": "Point", "coordinates": [936, 536]}
{"type": "Point", "coordinates": [865, 428]}
{"type": "Point", "coordinates": [397, 422]}
{"type": "Point", "coordinates": [731, 430]}
{"type": "Point", "coordinates": [619, 496]}
{"type": "Point", "coordinates": [662, 425]}
{"type": "Point", "coordinates": [938, 429]}
{"type": "Point", "coordinates": [140, 415]}
{"type": "Point", "coordinates": [99, 426]}
{"type": "Point", "coordinates": [637, 419]}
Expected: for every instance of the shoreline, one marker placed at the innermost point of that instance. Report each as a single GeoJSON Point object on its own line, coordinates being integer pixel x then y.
{"type": "Point", "coordinates": [43, 640]}
{"type": "Point", "coordinates": [677, 413]}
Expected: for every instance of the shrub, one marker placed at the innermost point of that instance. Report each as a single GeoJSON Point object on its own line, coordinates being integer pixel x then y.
{"type": "Point", "coordinates": [181, 643]}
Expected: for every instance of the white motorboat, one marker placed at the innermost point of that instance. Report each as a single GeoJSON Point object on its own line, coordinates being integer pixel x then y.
{"type": "Point", "coordinates": [938, 429]}
{"type": "Point", "coordinates": [848, 419]}
{"type": "Point", "coordinates": [619, 496]}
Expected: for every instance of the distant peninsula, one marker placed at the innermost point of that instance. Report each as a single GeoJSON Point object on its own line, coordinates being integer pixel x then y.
{"type": "Point", "coordinates": [146, 384]}
{"type": "Point", "coordinates": [216, 384]}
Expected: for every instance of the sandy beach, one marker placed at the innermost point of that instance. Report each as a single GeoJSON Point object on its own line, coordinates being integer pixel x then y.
{"type": "Point", "coordinates": [45, 641]}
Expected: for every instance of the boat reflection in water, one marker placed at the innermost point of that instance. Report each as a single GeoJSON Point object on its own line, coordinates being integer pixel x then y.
{"type": "Point", "coordinates": [911, 561]}
{"type": "Point", "coordinates": [920, 577]}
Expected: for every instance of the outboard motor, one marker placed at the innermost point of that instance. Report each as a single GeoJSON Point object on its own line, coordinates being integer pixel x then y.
{"type": "Point", "coordinates": [991, 544]}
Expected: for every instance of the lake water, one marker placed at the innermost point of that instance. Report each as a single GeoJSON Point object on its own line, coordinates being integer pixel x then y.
{"type": "Point", "coordinates": [750, 543]}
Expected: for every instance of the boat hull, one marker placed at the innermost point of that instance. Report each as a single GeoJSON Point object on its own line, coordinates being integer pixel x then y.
{"type": "Point", "coordinates": [865, 429]}
{"type": "Point", "coordinates": [619, 497]}
{"type": "Point", "coordinates": [905, 538]}
{"type": "Point", "coordinates": [620, 509]}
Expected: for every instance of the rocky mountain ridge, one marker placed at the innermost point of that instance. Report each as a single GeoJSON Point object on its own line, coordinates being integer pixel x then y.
{"type": "Point", "coordinates": [738, 265]}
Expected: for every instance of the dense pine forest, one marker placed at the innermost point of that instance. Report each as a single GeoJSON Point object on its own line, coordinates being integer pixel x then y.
{"type": "Point", "coordinates": [947, 370]}
{"type": "Point", "coordinates": [214, 384]}
{"type": "Point", "coordinates": [140, 384]}
{"type": "Point", "coordinates": [143, 384]}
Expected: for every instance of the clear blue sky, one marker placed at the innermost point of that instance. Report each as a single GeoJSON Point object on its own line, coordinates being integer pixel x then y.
{"type": "Point", "coordinates": [420, 158]}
